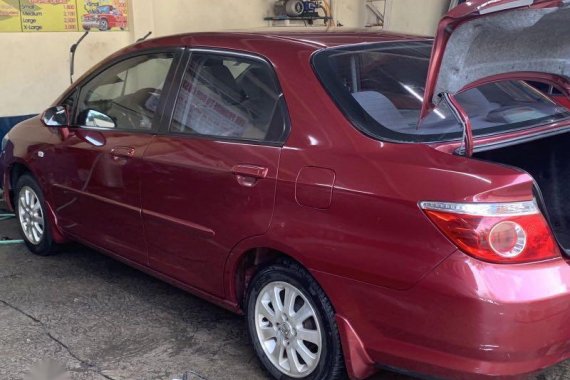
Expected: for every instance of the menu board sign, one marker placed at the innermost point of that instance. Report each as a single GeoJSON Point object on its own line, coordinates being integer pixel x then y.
{"type": "Point", "coordinates": [63, 15]}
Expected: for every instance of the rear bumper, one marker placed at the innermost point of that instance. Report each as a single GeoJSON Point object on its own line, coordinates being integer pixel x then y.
{"type": "Point", "coordinates": [467, 319]}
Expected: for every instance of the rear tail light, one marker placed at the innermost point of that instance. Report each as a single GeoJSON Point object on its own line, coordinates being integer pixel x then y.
{"type": "Point", "coordinates": [496, 232]}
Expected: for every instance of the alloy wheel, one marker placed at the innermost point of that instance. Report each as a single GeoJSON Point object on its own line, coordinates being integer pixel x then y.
{"type": "Point", "coordinates": [288, 329]}
{"type": "Point", "coordinates": [31, 215]}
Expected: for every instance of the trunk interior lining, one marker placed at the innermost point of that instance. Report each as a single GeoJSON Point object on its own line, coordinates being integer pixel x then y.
{"type": "Point", "coordinates": [547, 160]}
{"type": "Point", "coordinates": [506, 42]}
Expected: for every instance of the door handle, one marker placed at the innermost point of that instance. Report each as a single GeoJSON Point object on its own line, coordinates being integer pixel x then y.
{"type": "Point", "coordinates": [247, 175]}
{"type": "Point", "coordinates": [122, 151]}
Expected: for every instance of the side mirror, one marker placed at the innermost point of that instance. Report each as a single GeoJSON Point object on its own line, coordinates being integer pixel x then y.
{"type": "Point", "coordinates": [56, 117]}
{"type": "Point", "coordinates": [96, 119]}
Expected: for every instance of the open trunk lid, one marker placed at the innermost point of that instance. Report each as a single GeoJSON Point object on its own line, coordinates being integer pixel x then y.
{"type": "Point", "coordinates": [485, 39]}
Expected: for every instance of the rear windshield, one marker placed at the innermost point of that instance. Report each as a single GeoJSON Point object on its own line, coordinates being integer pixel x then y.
{"type": "Point", "coordinates": [380, 88]}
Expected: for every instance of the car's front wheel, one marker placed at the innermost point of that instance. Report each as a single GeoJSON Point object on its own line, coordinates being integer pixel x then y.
{"type": "Point", "coordinates": [33, 222]}
{"type": "Point", "coordinates": [103, 25]}
{"type": "Point", "coordinates": [292, 326]}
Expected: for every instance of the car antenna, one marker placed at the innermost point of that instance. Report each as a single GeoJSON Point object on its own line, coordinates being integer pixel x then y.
{"type": "Point", "coordinates": [72, 53]}
{"type": "Point", "coordinates": [145, 37]}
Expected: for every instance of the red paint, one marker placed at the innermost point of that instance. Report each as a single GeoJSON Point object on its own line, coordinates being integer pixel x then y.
{"type": "Point", "coordinates": [314, 187]}
{"type": "Point", "coordinates": [195, 207]}
{"type": "Point", "coordinates": [187, 209]}
{"type": "Point", "coordinates": [358, 363]}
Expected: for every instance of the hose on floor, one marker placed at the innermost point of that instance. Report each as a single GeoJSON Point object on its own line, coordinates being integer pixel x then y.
{"type": "Point", "coordinates": [6, 217]}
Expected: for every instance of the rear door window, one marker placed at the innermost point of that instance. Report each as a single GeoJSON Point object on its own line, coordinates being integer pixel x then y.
{"type": "Point", "coordinates": [229, 97]}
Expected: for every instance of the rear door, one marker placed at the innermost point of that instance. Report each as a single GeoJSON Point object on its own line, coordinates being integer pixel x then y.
{"type": "Point", "coordinates": [97, 183]}
{"type": "Point", "coordinates": [211, 173]}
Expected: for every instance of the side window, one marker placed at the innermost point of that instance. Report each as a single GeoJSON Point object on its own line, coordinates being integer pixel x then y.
{"type": "Point", "coordinates": [229, 97]}
{"type": "Point", "coordinates": [127, 92]}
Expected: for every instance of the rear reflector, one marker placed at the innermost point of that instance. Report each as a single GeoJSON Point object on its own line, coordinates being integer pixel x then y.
{"type": "Point", "coordinates": [507, 239]}
{"type": "Point", "coordinates": [496, 232]}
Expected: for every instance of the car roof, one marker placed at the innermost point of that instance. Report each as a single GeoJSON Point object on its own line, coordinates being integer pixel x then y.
{"type": "Point", "coordinates": [316, 39]}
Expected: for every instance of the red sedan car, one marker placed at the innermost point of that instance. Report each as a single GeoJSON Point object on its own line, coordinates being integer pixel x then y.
{"type": "Point", "coordinates": [367, 200]}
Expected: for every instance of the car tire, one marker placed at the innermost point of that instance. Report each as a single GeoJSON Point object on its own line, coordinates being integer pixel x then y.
{"type": "Point", "coordinates": [278, 340]}
{"type": "Point", "coordinates": [103, 25]}
{"type": "Point", "coordinates": [33, 223]}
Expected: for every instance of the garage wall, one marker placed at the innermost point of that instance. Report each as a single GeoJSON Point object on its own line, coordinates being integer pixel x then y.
{"type": "Point", "coordinates": [414, 16]}
{"type": "Point", "coordinates": [192, 15]}
{"type": "Point", "coordinates": [350, 13]}
{"type": "Point", "coordinates": [34, 68]}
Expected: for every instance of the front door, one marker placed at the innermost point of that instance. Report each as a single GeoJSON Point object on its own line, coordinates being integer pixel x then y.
{"type": "Point", "coordinates": [214, 168]}
{"type": "Point", "coordinates": [97, 194]}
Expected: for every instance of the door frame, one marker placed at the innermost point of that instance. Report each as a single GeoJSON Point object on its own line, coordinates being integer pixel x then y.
{"type": "Point", "coordinates": [168, 112]}
{"type": "Point", "coordinates": [178, 52]}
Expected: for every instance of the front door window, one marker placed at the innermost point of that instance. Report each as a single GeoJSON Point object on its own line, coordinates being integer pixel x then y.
{"type": "Point", "coordinates": [128, 92]}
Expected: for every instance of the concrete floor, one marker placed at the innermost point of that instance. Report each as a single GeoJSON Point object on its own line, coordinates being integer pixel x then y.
{"type": "Point", "coordinates": [100, 319]}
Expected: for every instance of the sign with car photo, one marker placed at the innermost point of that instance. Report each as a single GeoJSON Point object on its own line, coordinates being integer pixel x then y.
{"type": "Point", "coordinates": [63, 15]}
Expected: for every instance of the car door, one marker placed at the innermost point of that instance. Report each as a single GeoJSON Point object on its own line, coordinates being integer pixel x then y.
{"type": "Point", "coordinates": [97, 194]}
{"type": "Point", "coordinates": [214, 166]}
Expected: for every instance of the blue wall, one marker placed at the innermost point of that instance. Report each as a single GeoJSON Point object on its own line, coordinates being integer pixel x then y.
{"type": "Point", "coordinates": [6, 123]}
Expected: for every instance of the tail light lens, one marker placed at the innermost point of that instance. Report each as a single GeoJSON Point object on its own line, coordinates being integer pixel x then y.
{"type": "Point", "coordinates": [496, 232]}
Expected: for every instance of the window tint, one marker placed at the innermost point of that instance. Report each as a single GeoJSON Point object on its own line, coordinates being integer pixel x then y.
{"type": "Point", "coordinates": [546, 89]}
{"type": "Point", "coordinates": [380, 87]}
{"type": "Point", "coordinates": [229, 97]}
{"type": "Point", "coordinates": [128, 92]}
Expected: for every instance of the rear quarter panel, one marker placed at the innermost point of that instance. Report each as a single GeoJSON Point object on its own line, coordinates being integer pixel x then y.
{"type": "Point", "coordinates": [374, 230]}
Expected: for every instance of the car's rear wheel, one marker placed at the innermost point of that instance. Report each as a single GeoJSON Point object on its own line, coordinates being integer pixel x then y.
{"type": "Point", "coordinates": [33, 222]}
{"type": "Point", "coordinates": [292, 326]}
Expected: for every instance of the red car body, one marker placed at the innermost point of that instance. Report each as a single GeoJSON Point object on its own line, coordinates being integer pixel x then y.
{"type": "Point", "coordinates": [343, 205]}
